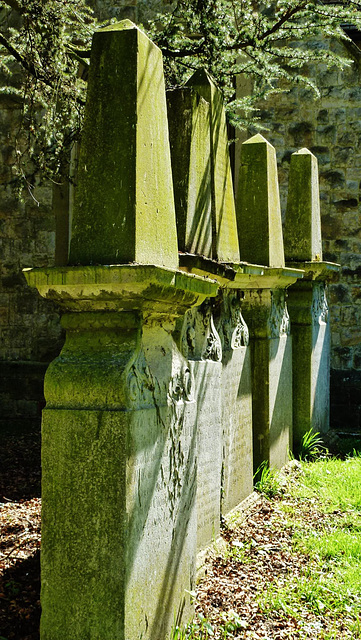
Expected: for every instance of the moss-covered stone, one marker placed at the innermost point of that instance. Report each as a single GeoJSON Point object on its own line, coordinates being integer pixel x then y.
{"type": "Point", "coordinates": [236, 400]}
{"type": "Point", "coordinates": [122, 287]}
{"type": "Point", "coordinates": [224, 236]}
{"type": "Point", "coordinates": [189, 132]}
{"type": "Point", "coordinates": [119, 454]}
{"type": "Point", "coordinates": [258, 205]}
{"type": "Point", "coordinates": [307, 303]}
{"type": "Point", "coordinates": [303, 219]}
{"type": "Point", "coordinates": [119, 466]}
{"type": "Point", "coordinates": [266, 314]}
{"type": "Point", "coordinates": [124, 205]}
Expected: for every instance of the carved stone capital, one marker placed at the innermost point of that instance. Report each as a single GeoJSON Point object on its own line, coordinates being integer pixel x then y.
{"type": "Point", "coordinates": [266, 313]}
{"type": "Point", "coordinates": [231, 326]}
{"type": "Point", "coordinates": [197, 335]}
{"type": "Point", "coordinates": [278, 320]}
{"type": "Point", "coordinates": [319, 307]}
{"type": "Point", "coordinates": [213, 349]}
{"type": "Point", "coordinates": [308, 303]}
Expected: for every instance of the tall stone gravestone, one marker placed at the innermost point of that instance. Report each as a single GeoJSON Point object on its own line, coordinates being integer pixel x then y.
{"type": "Point", "coordinates": [224, 227]}
{"type": "Point", "coordinates": [237, 465]}
{"type": "Point", "coordinates": [265, 309]}
{"type": "Point", "coordinates": [189, 136]}
{"type": "Point", "coordinates": [128, 215]}
{"type": "Point", "coordinates": [200, 344]}
{"type": "Point", "coordinates": [119, 429]}
{"type": "Point", "coordinates": [307, 299]}
{"type": "Point", "coordinates": [214, 340]}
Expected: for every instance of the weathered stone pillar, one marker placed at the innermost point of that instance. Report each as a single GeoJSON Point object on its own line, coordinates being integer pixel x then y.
{"type": "Point", "coordinates": [237, 467]}
{"type": "Point", "coordinates": [199, 342]}
{"type": "Point", "coordinates": [307, 301]}
{"type": "Point", "coordinates": [189, 137]}
{"type": "Point", "coordinates": [224, 226]}
{"type": "Point", "coordinates": [119, 448]}
{"type": "Point", "coordinates": [265, 310]}
{"type": "Point", "coordinates": [128, 215]}
{"type": "Point", "coordinates": [118, 454]}
{"type": "Point", "coordinates": [214, 338]}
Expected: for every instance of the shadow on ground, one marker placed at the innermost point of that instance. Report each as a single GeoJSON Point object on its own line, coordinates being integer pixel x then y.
{"type": "Point", "coordinates": [20, 472]}
{"type": "Point", "coordinates": [20, 476]}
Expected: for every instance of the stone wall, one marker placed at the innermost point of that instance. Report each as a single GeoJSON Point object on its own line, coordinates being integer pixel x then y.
{"type": "Point", "coordinates": [30, 334]}
{"type": "Point", "coordinates": [331, 128]}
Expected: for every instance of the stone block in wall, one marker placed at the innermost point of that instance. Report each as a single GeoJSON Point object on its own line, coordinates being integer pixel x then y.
{"type": "Point", "coordinates": [21, 394]}
{"type": "Point", "coordinates": [345, 415]}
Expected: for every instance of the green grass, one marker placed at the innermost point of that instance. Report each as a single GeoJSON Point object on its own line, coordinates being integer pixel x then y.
{"type": "Point", "coordinates": [321, 508]}
{"type": "Point", "coordinates": [335, 483]}
{"type": "Point", "coordinates": [330, 586]}
{"type": "Point", "coordinates": [267, 480]}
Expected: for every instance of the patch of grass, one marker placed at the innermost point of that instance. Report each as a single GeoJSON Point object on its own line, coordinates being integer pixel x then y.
{"type": "Point", "coordinates": [201, 628]}
{"type": "Point", "coordinates": [335, 483]}
{"type": "Point", "coordinates": [329, 584]}
{"type": "Point", "coordinates": [334, 545]}
{"type": "Point", "coordinates": [237, 551]}
{"type": "Point", "coordinates": [311, 445]}
{"type": "Point", "coordinates": [267, 480]}
{"type": "Point", "coordinates": [296, 561]}
{"type": "Point", "coordinates": [319, 591]}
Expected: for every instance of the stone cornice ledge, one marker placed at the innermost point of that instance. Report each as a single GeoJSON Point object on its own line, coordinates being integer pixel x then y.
{"type": "Point", "coordinates": [271, 278]}
{"type": "Point", "coordinates": [317, 270]}
{"type": "Point", "coordinates": [241, 275]}
{"type": "Point", "coordinates": [148, 288]}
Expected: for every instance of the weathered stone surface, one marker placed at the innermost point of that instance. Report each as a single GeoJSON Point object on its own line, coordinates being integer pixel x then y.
{"type": "Point", "coordinates": [267, 317]}
{"type": "Point", "coordinates": [237, 458]}
{"type": "Point", "coordinates": [258, 205]}
{"type": "Point", "coordinates": [121, 287]}
{"type": "Point", "coordinates": [124, 205]}
{"type": "Point", "coordinates": [189, 134]}
{"type": "Point", "coordinates": [339, 181]}
{"type": "Point", "coordinates": [302, 237]}
{"type": "Point", "coordinates": [207, 379]}
{"type": "Point", "coordinates": [224, 236]}
{"type": "Point", "coordinates": [200, 344]}
{"type": "Point", "coordinates": [118, 459]}
{"type": "Point", "coordinates": [308, 309]}
{"type": "Point", "coordinates": [121, 447]}
{"type": "Point", "coordinates": [307, 300]}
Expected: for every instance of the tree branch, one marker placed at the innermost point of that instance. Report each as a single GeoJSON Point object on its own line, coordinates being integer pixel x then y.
{"type": "Point", "coordinates": [13, 4]}
{"type": "Point", "coordinates": [19, 58]}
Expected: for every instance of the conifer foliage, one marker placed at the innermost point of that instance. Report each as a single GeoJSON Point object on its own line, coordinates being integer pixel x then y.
{"type": "Point", "coordinates": [44, 51]}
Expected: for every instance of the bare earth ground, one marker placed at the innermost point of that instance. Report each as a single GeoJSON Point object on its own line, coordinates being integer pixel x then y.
{"type": "Point", "coordinates": [20, 537]}
{"type": "Point", "coordinates": [258, 552]}
{"type": "Point", "coordinates": [232, 584]}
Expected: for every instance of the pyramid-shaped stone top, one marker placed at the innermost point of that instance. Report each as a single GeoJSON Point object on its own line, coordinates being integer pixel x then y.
{"type": "Point", "coordinates": [124, 206]}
